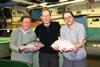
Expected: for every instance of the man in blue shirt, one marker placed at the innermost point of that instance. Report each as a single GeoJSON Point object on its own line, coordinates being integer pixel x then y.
{"type": "Point", "coordinates": [75, 33]}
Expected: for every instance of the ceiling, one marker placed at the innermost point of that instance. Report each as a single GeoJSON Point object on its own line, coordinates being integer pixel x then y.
{"type": "Point", "coordinates": [27, 3]}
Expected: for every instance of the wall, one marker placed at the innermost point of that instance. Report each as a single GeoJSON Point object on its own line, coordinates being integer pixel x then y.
{"type": "Point", "coordinates": [86, 8]}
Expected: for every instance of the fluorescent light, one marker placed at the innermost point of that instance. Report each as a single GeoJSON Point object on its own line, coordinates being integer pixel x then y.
{"type": "Point", "coordinates": [64, 3]}
{"type": "Point", "coordinates": [35, 5]}
{"type": "Point", "coordinates": [43, 4]}
{"type": "Point", "coordinates": [62, 0]}
{"type": "Point", "coordinates": [23, 1]}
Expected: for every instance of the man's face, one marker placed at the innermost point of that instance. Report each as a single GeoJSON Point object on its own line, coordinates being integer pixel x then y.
{"type": "Point", "coordinates": [26, 23]}
{"type": "Point", "coordinates": [46, 17]}
{"type": "Point", "coordinates": [68, 18]}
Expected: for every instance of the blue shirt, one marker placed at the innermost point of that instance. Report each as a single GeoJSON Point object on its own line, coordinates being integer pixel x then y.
{"type": "Point", "coordinates": [74, 34]}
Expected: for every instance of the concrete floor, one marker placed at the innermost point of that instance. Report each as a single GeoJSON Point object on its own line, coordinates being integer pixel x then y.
{"type": "Point", "coordinates": [93, 61]}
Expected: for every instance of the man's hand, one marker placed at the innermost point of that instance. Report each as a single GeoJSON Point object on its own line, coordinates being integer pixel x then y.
{"type": "Point", "coordinates": [75, 49]}
{"type": "Point", "coordinates": [78, 45]}
{"type": "Point", "coordinates": [38, 44]}
{"type": "Point", "coordinates": [35, 48]}
{"type": "Point", "coordinates": [55, 46]}
{"type": "Point", "coordinates": [22, 49]}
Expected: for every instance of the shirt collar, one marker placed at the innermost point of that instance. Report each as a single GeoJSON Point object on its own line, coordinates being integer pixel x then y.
{"type": "Point", "coordinates": [24, 32]}
{"type": "Point", "coordinates": [72, 26]}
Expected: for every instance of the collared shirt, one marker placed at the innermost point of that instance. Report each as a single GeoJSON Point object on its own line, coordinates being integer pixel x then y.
{"type": "Point", "coordinates": [18, 38]}
{"type": "Point", "coordinates": [75, 33]}
{"type": "Point", "coordinates": [24, 32]}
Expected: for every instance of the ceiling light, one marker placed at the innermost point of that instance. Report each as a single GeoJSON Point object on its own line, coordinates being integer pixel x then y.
{"type": "Point", "coordinates": [64, 3]}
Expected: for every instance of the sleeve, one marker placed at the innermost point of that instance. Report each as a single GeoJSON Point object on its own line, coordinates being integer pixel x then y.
{"type": "Point", "coordinates": [13, 45]}
{"type": "Point", "coordinates": [81, 32]}
{"type": "Point", "coordinates": [58, 28]}
{"type": "Point", "coordinates": [36, 31]}
{"type": "Point", "coordinates": [61, 34]}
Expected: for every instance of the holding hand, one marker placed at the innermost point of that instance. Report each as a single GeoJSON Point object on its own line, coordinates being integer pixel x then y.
{"type": "Point", "coordinates": [55, 47]}
{"type": "Point", "coordinates": [34, 46]}
{"type": "Point", "coordinates": [23, 49]}
{"type": "Point", "coordinates": [38, 44]}
{"type": "Point", "coordinates": [75, 49]}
